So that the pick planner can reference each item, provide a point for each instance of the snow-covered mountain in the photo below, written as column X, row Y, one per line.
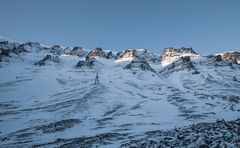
column 49, row 99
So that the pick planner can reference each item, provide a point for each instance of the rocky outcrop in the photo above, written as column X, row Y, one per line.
column 78, row 51
column 218, row 58
column 184, row 63
column 231, row 56
column 6, row 48
column 42, row 62
column 110, row 55
column 97, row 52
column 85, row 63
column 225, row 59
column 88, row 62
column 48, row 57
column 4, row 52
column 139, row 54
column 170, row 55
column 139, row 64
column 129, row 53
column 56, row 50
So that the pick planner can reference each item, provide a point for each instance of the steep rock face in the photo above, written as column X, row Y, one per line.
column 231, row 56
column 97, row 52
column 139, row 64
column 170, row 55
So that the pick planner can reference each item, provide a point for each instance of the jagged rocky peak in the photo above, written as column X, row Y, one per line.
column 78, row 51
column 6, row 48
column 139, row 64
column 137, row 54
column 184, row 50
column 128, row 53
column 224, row 59
column 56, row 49
column 97, row 52
column 181, row 64
column 8, row 45
column 171, row 54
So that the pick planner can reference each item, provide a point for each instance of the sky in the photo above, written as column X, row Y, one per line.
column 205, row 25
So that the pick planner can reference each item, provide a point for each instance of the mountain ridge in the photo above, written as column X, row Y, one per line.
column 50, row 93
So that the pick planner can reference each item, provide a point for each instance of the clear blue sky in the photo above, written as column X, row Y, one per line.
column 206, row 25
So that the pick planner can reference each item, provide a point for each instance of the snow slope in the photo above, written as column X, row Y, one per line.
column 42, row 105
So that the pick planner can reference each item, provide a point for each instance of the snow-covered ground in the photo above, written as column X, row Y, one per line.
column 43, row 104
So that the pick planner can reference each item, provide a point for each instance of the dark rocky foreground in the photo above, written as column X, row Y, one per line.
column 219, row 134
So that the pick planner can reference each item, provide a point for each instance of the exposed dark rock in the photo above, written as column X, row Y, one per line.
column 42, row 62
column 184, row 63
column 109, row 55
column 234, row 78
column 97, row 52
column 127, row 54
column 33, row 44
column 86, row 63
column 219, row 134
column 172, row 52
column 184, row 50
column 4, row 42
column 78, row 51
column 218, row 58
column 186, row 59
column 58, row 126
column 140, row 64
column 56, row 49
column 234, row 99
column 19, row 49
column 4, row 52
column 140, row 54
